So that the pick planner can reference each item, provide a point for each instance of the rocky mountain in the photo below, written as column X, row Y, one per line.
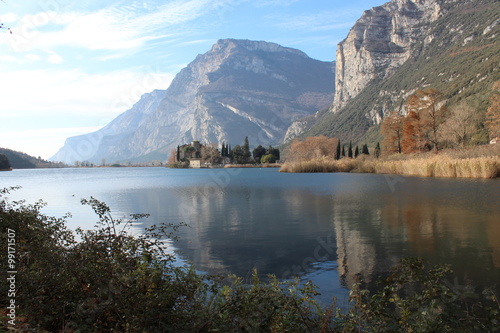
column 239, row 88
column 379, row 43
column 114, row 139
column 404, row 45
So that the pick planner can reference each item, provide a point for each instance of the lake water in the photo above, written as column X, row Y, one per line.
column 324, row 227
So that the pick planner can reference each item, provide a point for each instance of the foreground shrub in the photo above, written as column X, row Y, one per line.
column 110, row 280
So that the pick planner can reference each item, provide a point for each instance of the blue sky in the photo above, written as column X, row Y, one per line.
column 70, row 67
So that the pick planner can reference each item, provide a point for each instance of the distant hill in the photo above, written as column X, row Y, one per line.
column 19, row 160
column 4, row 163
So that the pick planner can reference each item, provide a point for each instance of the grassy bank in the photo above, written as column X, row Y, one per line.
column 481, row 162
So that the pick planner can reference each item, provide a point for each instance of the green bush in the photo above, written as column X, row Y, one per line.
column 109, row 280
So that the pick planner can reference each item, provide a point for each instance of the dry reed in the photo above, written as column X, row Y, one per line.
column 430, row 166
column 320, row 165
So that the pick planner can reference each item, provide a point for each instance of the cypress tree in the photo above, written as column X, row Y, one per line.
column 246, row 150
column 377, row 150
column 337, row 153
column 349, row 152
column 356, row 152
column 343, row 151
column 178, row 154
column 365, row 150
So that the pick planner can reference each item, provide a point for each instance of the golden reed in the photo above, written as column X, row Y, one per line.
column 430, row 166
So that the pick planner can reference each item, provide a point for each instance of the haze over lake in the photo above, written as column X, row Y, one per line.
column 325, row 227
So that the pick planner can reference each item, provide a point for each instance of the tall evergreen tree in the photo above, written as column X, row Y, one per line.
column 343, row 151
column 349, row 152
column 365, row 150
column 377, row 150
column 337, row 151
column 178, row 154
column 356, row 152
column 246, row 150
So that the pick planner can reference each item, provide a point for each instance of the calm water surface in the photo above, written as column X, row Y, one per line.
column 324, row 227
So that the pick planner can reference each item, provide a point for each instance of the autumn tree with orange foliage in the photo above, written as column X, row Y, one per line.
column 419, row 130
column 492, row 122
column 413, row 127
column 412, row 133
column 392, row 130
column 313, row 147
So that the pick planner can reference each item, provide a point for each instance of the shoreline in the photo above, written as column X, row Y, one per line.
column 264, row 165
column 447, row 164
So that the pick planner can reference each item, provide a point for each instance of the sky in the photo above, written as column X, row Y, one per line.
column 71, row 67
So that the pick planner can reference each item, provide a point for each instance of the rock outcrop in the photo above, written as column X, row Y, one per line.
column 379, row 43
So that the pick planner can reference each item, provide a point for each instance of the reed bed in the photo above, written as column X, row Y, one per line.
column 320, row 165
column 441, row 166
column 431, row 166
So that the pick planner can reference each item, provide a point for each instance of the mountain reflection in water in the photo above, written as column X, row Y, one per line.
column 331, row 228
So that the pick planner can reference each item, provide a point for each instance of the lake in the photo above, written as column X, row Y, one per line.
column 328, row 228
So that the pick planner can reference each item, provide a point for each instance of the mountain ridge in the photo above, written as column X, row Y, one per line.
column 238, row 88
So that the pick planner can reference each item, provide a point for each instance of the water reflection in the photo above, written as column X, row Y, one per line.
column 237, row 229
column 327, row 227
column 421, row 220
column 361, row 230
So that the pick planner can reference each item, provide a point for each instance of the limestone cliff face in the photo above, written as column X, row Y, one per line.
column 379, row 43
column 239, row 88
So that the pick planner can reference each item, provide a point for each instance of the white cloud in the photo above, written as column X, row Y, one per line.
column 58, row 92
column 31, row 57
column 54, row 58
column 28, row 58
column 41, row 142
column 9, row 18
column 111, row 28
column 56, row 99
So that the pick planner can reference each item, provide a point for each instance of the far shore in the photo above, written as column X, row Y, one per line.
column 476, row 162
column 263, row 165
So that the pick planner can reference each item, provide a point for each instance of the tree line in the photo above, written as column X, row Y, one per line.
column 316, row 147
column 242, row 155
column 210, row 154
column 427, row 125
column 430, row 125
